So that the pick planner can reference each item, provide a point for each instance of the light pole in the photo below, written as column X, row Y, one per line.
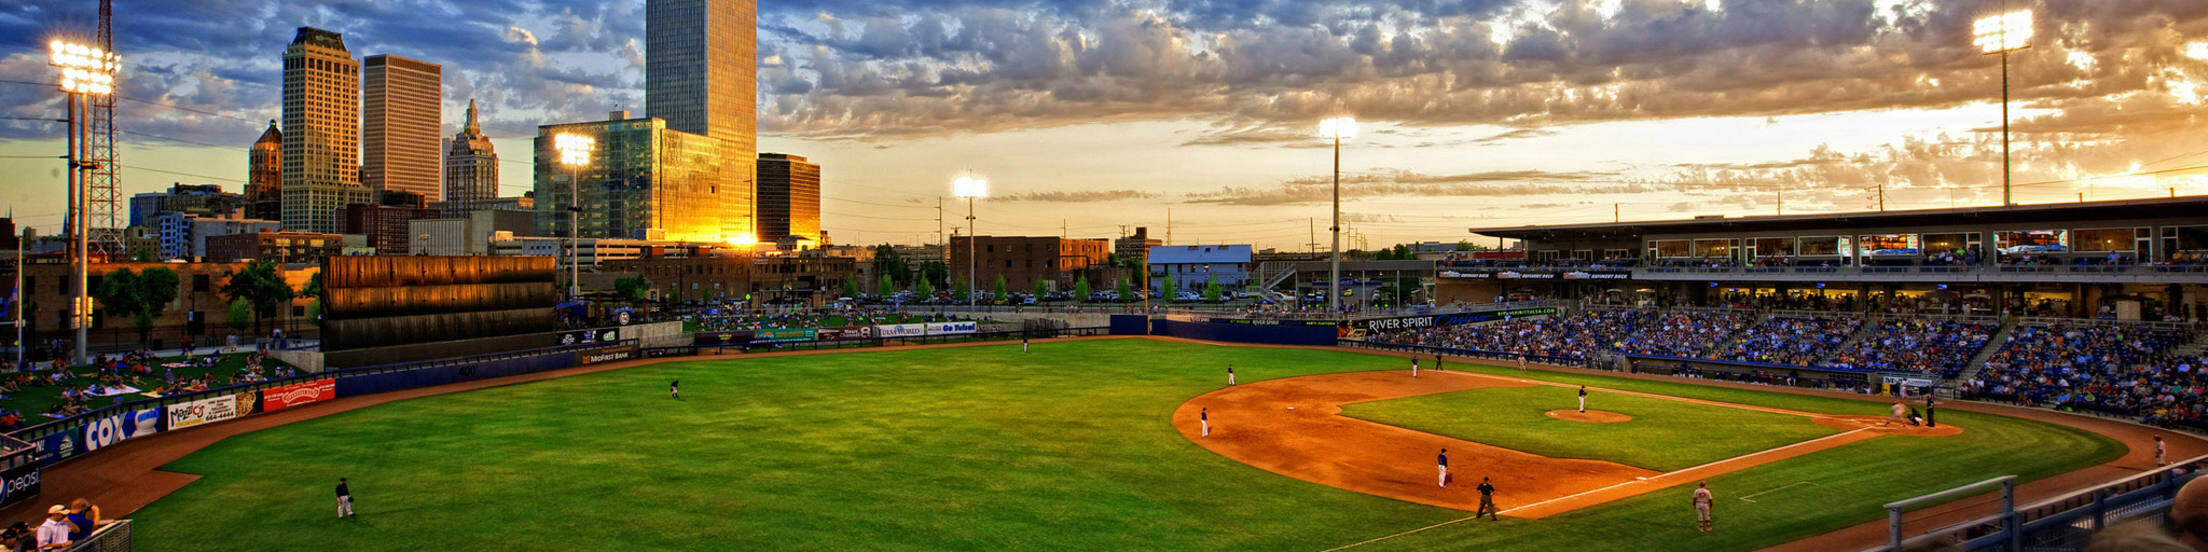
column 1336, row 129
column 2002, row 33
column 85, row 71
column 970, row 187
column 574, row 152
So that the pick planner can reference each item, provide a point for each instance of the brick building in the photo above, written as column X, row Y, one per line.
column 200, row 310
column 809, row 280
column 1022, row 260
column 285, row 247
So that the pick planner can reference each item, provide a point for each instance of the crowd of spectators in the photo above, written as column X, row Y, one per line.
column 810, row 319
column 2119, row 369
column 1582, row 335
column 1799, row 341
column 1940, row 347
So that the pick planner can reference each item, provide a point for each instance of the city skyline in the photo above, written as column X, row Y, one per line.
column 1093, row 117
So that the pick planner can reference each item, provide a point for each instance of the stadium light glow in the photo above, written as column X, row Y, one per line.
column 1338, row 128
column 84, row 69
column 970, row 187
column 2003, row 32
column 574, row 148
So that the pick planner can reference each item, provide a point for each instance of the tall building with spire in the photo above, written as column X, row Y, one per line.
column 401, row 109
column 700, row 74
column 321, row 154
column 471, row 168
column 264, row 175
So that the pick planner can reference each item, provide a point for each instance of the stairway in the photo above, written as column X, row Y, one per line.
column 1978, row 361
column 1742, row 334
column 2198, row 347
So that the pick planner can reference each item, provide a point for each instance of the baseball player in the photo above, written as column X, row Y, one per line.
column 1203, row 416
column 1437, row 361
column 1443, row 458
column 2159, row 459
column 1521, row 364
column 1702, row 502
column 344, row 499
column 1583, row 399
column 1487, row 500
column 1414, row 367
column 1023, row 343
column 1899, row 413
column 674, row 389
column 1230, row 374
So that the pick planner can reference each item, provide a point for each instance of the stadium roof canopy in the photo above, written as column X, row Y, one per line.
column 2019, row 214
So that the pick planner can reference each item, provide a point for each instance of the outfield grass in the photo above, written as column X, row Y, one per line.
column 1664, row 435
column 1068, row 448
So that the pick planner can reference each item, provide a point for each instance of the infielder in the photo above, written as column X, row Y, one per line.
column 1230, row 374
column 2159, row 459
column 1203, row 416
column 1437, row 361
column 1487, row 500
column 1444, row 459
column 1702, row 502
column 1521, row 364
column 1583, row 399
column 1414, row 367
column 674, row 389
column 344, row 499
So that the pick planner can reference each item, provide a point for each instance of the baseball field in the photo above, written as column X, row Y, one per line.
column 1079, row 445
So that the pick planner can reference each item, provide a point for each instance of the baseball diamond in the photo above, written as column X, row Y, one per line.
column 1081, row 444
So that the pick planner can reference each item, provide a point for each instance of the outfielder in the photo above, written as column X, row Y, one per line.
column 1203, row 416
column 1487, row 500
column 344, row 499
column 1444, row 459
column 1023, row 343
column 1414, row 367
column 1230, row 374
column 1521, row 364
column 1583, row 399
column 674, row 389
column 2159, row 459
column 1702, row 502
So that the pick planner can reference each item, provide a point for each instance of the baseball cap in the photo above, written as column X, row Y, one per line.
column 58, row 509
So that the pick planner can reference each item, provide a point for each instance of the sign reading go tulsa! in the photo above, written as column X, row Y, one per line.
column 278, row 398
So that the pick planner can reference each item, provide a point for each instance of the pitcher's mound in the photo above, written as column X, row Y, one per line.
column 1591, row 416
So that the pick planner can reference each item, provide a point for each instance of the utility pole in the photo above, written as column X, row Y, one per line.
column 1313, row 225
column 1881, row 196
column 1062, row 233
column 1615, row 216
column 1782, row 201
column 1169, row 226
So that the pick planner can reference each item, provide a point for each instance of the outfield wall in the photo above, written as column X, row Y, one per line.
column 1280, row 333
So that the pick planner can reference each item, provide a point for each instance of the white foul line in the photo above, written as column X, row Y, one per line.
column 1750, row 498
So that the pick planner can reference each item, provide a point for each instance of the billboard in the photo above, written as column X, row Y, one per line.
column 720, row 338
column 56, row 446
column 900, row 330
column 287, row 396
column 1428, row 321
column 19, row 484
column 603, row 356
column 206, row 411
column 940, row 328
column 579, row 337
column 772, row 336
column 115, row 428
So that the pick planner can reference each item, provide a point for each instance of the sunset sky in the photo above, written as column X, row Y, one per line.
column 1093, row 114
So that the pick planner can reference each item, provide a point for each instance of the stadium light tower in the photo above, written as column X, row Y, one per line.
column 2002, row 33
column 574, row 152
column 86, row 73
column 970, row 187
column 1336, row 129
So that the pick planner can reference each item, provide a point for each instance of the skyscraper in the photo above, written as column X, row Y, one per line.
column 699, row 75
column 645, row 181
column 471, row 168
column 264, row 175
column 321, row 156
column 402, row 108
column 789, row 197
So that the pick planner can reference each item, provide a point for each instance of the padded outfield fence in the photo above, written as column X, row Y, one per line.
column 2063, row 523
column 60, row 440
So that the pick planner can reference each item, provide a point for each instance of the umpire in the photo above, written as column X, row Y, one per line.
column 1487, row 500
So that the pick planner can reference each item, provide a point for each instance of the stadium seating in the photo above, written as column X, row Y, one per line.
column 1794, row 340
column 2118, row 369
column 1938, row 347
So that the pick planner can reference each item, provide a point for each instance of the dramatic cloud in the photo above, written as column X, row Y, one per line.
column 1393, row 182
column 1078, row 196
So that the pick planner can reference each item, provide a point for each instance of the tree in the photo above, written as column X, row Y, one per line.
column 142, row 296
column 1040, row 290
column 998, row 292
column 241, row 315
column 262, row 285
column 886, row 286
column 892, row 265
column 961, row 294
column 850, row 287
column 923, row 289
column 1166, row 291
column 1212, row 293
column 1126, row 289
column 937, row 273
column 634, row 288
column 1081, row 289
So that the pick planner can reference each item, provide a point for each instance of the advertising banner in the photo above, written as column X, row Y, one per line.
column 205, row 411
column 579, row 337
column 108, row 430
column 19, row 484
column 709, row 339
column 279, row 398
column 670, row 352
column 603, row 356
column 56, row 446
column 1428, row 321
column 941, row 328
column 900, row 330
column 771, row 336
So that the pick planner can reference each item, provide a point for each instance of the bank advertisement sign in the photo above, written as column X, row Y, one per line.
column 282, row 397
column 940, row 328
column 115, row 428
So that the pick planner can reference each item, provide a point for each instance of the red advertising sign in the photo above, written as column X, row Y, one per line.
column 279, row 398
